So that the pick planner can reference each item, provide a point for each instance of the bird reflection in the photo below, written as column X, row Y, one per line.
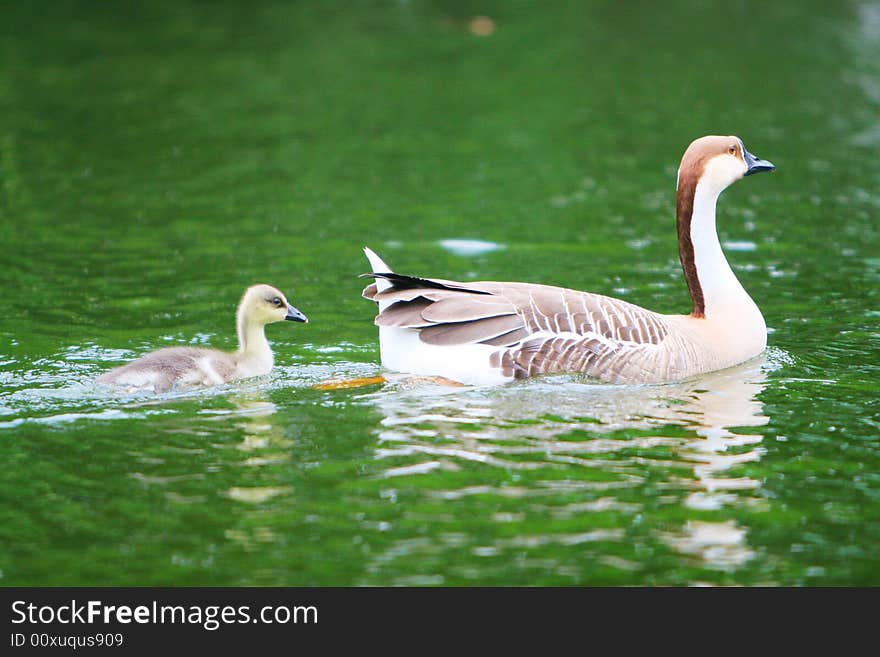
column 564, row 421
column 263, row 444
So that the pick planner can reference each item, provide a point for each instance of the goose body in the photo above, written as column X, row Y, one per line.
column 493, row 332
column 163, row 369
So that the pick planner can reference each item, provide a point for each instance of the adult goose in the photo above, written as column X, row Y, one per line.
column 193, row 366
column 492, row 332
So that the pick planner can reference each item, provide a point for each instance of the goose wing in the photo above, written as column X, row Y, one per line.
column 537, row 328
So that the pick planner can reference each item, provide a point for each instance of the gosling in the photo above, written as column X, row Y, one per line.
column 192, row 366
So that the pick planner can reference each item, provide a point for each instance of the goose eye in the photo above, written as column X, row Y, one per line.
column 276, row 302
column 731, row 149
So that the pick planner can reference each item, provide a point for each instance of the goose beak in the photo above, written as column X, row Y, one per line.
column 293, row 315
column 755, row 164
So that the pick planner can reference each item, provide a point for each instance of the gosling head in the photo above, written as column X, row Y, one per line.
column 719, row 162
column 264, row 304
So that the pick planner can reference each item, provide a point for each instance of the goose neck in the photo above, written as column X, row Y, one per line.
column 252, row 344
column 711, row 282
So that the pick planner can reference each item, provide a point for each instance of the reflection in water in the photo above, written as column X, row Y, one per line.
column 625, row 433
column 264, row 444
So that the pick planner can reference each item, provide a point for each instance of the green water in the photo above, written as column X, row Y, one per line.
column 157, row 159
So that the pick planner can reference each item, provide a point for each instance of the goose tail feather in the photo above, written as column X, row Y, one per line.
column 379, row 267
column 380, row 284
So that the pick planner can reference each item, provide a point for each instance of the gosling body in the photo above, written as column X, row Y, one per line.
column 170, row 367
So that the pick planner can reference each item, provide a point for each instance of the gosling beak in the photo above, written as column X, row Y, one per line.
column 755, row 164
column 294, row 315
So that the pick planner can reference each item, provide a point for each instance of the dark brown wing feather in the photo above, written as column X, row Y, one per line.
column 477, row 330
column 405, row 314
column 463, row 307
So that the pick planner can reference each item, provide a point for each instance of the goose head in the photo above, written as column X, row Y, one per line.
column 264, row 304
column 717, row 162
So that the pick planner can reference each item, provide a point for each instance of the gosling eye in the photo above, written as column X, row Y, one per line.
column 732, row 149
column 277, row 302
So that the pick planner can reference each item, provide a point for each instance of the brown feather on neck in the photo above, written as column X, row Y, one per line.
column 687, row 187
